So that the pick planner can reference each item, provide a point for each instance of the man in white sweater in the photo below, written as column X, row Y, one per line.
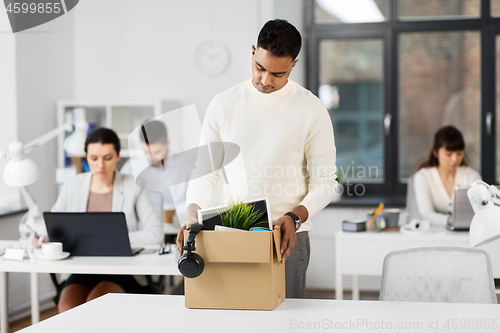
column 287, row 148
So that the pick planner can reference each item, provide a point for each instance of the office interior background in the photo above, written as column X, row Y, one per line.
column 390, row 72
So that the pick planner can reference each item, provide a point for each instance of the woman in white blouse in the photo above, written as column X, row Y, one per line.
column 104, row 189
column 436, row 178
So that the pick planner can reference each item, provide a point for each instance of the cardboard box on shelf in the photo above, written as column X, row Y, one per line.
column 243, row 270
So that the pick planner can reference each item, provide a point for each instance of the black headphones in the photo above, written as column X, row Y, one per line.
column 191, row 264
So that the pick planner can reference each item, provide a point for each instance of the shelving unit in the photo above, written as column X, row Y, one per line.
column 120, row 115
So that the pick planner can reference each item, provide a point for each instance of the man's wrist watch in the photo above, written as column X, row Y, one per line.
column 296, row 219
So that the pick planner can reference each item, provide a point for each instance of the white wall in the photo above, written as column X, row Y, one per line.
column 145, row 49
column 43, row 71
column 9, row 196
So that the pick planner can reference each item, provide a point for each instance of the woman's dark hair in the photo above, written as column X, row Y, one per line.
column 280, row 38
column 448, row 137
column 103, row 136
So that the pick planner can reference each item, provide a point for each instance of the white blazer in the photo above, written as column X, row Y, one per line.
column 143, row 223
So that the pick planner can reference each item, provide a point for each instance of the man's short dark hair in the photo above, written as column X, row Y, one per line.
column 280, row 38
column 103, row 136
column 153, row 131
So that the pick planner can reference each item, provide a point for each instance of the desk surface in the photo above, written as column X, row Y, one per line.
column 363, row 253
column 141, row 264
column 435, row 233
column 159, row 313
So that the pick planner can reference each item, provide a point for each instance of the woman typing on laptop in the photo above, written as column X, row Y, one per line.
column 436, row 178
column 104, row 189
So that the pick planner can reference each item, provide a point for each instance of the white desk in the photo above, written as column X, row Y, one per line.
column 363, row 253
column 142, row 264
column 161, row 313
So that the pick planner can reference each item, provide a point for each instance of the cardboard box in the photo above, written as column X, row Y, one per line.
column 243, row 270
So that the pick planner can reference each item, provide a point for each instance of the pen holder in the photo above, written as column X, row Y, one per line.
column 373, row 224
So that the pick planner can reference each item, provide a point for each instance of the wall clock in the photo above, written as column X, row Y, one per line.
column 212, row 58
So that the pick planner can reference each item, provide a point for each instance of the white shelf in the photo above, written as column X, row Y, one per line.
column 123, row 116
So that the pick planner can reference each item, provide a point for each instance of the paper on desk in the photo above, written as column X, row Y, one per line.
column 14, row 254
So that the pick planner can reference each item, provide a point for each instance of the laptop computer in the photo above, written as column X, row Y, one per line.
column 462, row 212
column 90, row 234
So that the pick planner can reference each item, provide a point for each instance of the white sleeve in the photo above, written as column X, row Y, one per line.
column 319, row 150
column 424, row 202
column 151, row 231
column 61, row 204
column 473, row 176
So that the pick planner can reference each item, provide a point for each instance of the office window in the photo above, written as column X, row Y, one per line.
column 438, row 9
column 439, row 84
column 434, row 64
column 352, row 11
column 495, row 8
column 351, row 82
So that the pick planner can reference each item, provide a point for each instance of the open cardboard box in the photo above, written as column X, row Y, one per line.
column 243, row 270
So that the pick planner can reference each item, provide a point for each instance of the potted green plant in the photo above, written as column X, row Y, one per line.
column 237, row 215
column 241, row 216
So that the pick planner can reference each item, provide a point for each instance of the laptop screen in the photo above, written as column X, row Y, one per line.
column 89, row 234
column 462, row 209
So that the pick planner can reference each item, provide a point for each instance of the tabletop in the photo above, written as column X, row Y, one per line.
column 159, row 313
column 141, row 264
column 435, row 233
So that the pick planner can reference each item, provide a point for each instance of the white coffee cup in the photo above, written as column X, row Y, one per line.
column 52, row 249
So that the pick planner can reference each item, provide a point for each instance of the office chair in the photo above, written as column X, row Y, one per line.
column 438, row 274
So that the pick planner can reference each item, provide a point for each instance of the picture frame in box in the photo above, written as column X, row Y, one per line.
column 210, row 217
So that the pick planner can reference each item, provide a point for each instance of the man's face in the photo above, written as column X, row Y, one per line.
column 270, row 73
column 156, row 152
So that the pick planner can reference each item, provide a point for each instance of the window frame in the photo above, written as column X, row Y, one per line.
column 389, row 31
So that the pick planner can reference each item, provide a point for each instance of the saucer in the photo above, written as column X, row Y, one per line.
column 63, row 255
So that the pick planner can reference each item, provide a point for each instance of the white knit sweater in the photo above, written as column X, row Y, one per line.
column 287, row 149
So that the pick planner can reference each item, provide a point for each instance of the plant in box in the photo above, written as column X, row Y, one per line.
column 243, row 216
column 213, row 217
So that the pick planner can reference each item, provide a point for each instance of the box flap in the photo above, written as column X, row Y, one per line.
column 234, row 246
column 277, row 243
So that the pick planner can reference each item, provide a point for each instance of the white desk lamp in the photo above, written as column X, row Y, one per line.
column 485, row 225
column 74, row 145
column 21, row 171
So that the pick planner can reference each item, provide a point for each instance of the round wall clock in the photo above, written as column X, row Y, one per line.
column 211, row 58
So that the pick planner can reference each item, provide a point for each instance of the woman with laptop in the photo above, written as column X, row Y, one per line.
column 104, row 189
column 437, row 177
